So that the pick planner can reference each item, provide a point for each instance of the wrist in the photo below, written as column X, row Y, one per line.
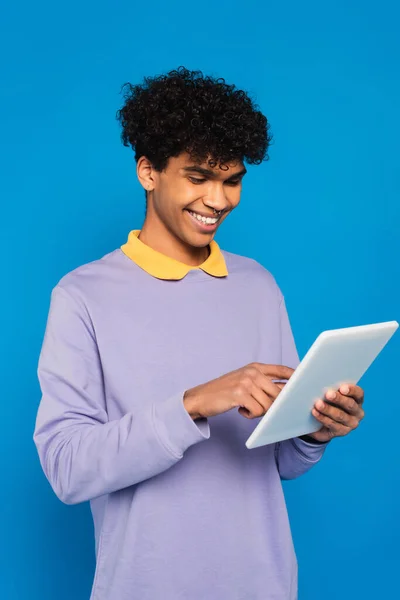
column 310, row 440
column 190, row 404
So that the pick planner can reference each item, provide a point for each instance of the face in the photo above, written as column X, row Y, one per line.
column 183, row 196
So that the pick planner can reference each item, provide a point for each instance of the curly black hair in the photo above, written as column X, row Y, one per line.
column 187, row 111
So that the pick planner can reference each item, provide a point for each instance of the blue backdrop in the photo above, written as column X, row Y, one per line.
column 322, row 215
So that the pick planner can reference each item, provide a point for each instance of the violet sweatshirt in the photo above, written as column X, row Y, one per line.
column 182, row 509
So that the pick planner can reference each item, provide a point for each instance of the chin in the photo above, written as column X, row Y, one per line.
column 200, row 240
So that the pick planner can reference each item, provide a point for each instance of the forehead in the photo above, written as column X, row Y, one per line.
column 184, row 161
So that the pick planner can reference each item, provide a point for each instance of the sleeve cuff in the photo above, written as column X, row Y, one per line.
column 175, row 428
column 311, row 452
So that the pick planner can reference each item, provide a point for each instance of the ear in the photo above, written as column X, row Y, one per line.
column 146, row 173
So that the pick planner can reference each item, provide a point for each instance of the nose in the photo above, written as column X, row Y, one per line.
column 217, row 199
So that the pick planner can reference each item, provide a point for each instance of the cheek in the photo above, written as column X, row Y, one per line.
column 186, row 194
column 234, row 198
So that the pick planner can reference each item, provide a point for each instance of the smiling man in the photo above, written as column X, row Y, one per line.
column 159, row 357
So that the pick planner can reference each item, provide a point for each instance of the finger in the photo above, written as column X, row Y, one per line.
column 264, row 392
column 353, row 391
column 276, row 371
column 345, row 402
column 267, row 386
column 252, row 409
column 337, row 414
column 336, row 429
column 261, row 395
column 264, row 398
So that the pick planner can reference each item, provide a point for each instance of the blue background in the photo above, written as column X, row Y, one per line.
column 322, row 215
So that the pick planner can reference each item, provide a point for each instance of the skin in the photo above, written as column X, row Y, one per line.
column 168, row 228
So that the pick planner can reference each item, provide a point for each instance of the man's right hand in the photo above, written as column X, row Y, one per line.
column 250, row 389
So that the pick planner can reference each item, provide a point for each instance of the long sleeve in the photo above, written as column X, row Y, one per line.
column 293, row 457
column 83, row 454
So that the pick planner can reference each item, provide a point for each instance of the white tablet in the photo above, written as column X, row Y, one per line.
column 337, row 356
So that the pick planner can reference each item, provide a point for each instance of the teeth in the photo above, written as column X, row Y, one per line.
column 206, row 220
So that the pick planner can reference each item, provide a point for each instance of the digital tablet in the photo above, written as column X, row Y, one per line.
column 336, row 357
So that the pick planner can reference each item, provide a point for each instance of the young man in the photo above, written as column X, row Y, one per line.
column 158, row 357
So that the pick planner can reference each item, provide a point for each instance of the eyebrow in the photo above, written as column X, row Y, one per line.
column 211, row 174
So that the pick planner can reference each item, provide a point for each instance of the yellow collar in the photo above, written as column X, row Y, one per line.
column 163, row 267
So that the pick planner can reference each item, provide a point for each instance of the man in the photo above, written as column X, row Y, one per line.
column 158, row 357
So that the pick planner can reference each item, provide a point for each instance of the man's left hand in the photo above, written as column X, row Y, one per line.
column 339, row 413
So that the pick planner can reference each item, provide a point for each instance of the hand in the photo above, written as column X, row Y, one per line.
column 250, row 389
column 342, row 414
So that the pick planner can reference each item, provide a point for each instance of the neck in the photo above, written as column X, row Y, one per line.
column 157, row 236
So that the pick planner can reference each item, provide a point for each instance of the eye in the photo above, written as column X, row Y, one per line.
column 197, row 181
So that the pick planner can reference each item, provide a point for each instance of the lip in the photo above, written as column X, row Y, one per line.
column 203, row 226
column 203, row 214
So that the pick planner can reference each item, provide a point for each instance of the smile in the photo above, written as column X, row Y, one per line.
column 206, row 220
column 206, row 224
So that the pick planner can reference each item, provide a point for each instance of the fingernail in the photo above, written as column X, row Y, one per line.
column 331, row 395
column 344, row 389
column 320, row 404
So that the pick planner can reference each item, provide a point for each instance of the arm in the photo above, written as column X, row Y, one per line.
column 83, row 454
column 296, row 456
